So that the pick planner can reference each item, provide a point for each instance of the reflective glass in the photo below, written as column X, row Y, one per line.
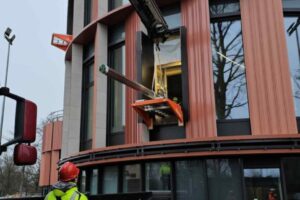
column 87, row 12
column 118, row 96
column 89, row 117
column 224, row 179
column 293, row 43
column 291, row 4
column 94, row 182
column 110, row 180
column 118, row 3
column 219, row 8
column 190, row 180
column 167, row 72
column 132, row 178
column 263, row 183
column 172, row 16
column 116, row 33
column 83, row 181
column 291, row 167
column 229, row 69
column 158, row 176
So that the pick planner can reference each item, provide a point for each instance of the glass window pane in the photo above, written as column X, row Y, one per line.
column 110, row 180
column 118, row 3
column 87, row 12
column 88, row 51
column 158, row 176
column 291, row 167
column 91, row 73
column 293, row 44
column 118, row 95
column 83, row 181
column 190, row 180
column 116, row 33
column 89, row 117
column 291, row 4
column 229, row 69
column 94, row 182
column 221, row 7
column 132, row 178
column 224, row 174
column 167, row 73
column 263, row 183
column 172, row 16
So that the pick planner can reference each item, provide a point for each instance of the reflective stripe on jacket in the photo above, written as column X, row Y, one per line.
column 63, row 191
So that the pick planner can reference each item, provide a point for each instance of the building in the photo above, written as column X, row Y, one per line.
column 233, row 67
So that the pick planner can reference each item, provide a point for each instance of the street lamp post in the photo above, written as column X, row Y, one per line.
column 10, row 39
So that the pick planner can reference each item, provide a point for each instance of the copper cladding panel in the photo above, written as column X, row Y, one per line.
column 45, row 169
column 53, row 165
column 268, row 80
column 94, row 9
column 195, row 17
column 132, row 25
column 57, row 135
column 47, row 137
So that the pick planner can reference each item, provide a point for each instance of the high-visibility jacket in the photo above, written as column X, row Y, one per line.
column 65, row 191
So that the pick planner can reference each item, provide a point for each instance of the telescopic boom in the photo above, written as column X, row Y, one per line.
column 130, row 83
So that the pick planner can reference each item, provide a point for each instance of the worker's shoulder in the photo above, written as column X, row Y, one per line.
column 50, row 196
column 83, row 196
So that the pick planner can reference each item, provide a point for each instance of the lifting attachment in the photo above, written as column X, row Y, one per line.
column 155, row 110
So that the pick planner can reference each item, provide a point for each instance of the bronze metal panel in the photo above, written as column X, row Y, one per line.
column 132, row 25
column 94, row 9
column 267, row 71
column 191, row 155
column 45, row 169
column 53, row 167
column 57, row 135
column 195, row 17
column 47, row 137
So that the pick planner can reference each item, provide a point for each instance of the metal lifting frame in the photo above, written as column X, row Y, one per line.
column 159, row 104
column 152, row 18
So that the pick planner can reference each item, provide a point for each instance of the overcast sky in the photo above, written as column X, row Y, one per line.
column 36, row 69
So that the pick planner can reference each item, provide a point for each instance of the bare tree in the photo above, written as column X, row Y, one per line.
column 228, row 65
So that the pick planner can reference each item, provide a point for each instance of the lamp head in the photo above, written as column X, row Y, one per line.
column 7, row 34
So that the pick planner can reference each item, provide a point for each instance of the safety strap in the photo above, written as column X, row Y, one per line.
column 74, row 195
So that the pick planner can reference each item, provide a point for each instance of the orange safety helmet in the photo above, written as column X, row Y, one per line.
column 68, row 171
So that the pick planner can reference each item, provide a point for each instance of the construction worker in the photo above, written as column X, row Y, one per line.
column 165, row 173
column 66, row 188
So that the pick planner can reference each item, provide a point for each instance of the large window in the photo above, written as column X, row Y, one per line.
column 248, row 178
column 292, row 30
column 263, row 179
column 87, row 12
column 132, row 181
column 225, row 175
column 291, row 168
column 191, row 180
column 158, row 178
column 110, row 180
column 87, row 97
column 116, row 90
column 229, row 71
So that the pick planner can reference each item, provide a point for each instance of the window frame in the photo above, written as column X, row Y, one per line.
column 232, row 127
column 85, row 143
column 115, row 138
column 292, row 12
column 88, row 4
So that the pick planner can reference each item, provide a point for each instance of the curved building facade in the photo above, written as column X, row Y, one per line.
column 232, row 66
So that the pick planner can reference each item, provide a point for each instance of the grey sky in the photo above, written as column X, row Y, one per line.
column 36, row 69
